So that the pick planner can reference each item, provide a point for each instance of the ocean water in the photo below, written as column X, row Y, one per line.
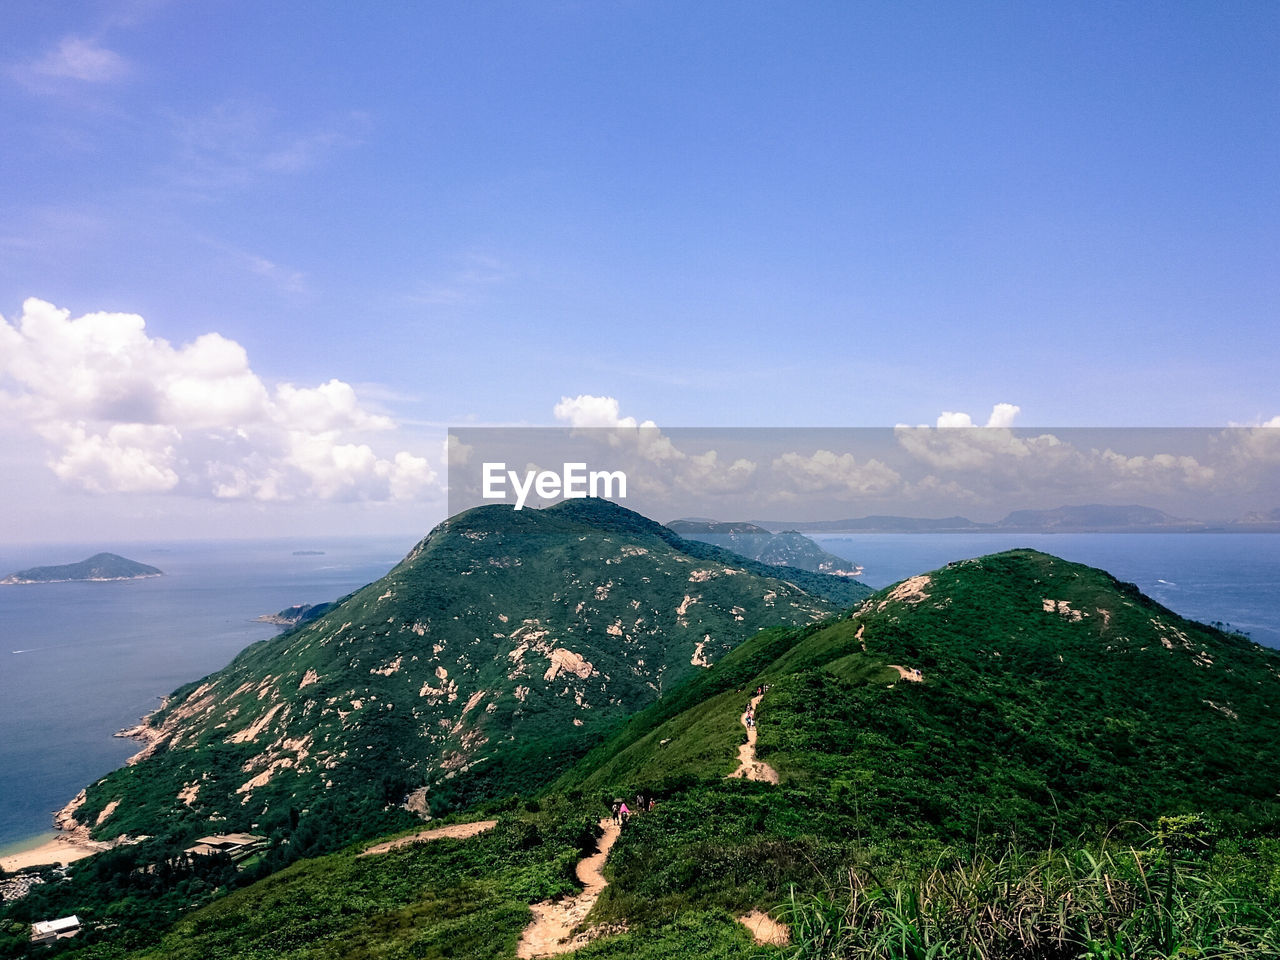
column 79, row 661
column 1233, row 578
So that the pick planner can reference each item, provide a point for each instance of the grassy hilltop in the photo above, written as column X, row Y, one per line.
column 1075, row 771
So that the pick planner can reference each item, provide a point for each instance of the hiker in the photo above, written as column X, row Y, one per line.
column 617, row 812
column 623, row 816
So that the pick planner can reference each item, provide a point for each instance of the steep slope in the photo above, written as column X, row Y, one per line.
column 492, row 656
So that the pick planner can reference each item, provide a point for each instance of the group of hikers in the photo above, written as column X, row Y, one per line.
column 622, row 813
column 749, row 717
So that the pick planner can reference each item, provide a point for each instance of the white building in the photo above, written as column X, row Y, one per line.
column 46, row 931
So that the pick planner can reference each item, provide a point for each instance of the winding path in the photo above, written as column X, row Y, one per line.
column 748, row 765
column 460, row 830
column 551, row 931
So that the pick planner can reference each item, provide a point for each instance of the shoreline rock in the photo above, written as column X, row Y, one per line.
column 145, row 734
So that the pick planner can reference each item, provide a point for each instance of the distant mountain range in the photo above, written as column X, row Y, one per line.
column 1087, row 518
column 786, row 549
column 101, row 566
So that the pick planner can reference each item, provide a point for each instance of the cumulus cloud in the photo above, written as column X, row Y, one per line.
column 705, row 472
column 133, row 458
column 1249, row 447
column 586, row 411
column 827, row 472
column 589, row 412
column 123, row 411
column 1002, row 415
column 998, row 457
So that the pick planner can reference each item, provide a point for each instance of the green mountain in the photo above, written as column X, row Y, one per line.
column 1076, row 771
column 101, row 566
column 1052, row 697
column 504, row 645
column 785, row 549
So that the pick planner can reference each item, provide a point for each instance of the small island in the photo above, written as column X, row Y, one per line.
column 101, row 566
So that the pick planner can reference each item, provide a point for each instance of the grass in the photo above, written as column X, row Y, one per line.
column 1113, row 903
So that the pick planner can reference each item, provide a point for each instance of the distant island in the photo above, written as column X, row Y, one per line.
column 786, row 548
column 308, row 553
column 101, row 566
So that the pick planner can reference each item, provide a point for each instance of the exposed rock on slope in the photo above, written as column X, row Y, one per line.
column 499, row 648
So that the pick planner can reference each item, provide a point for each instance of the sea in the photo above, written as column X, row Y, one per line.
column 80, row 661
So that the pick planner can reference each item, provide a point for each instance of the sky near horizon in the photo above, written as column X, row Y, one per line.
column 255, row 256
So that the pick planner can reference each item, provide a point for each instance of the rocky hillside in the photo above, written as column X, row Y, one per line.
column 491, row 657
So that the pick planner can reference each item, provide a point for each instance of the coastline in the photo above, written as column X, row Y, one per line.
column 12, row 582
column 46, row 848
column 70, row 841
column 142, row 732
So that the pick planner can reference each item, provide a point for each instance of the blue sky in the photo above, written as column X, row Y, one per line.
column 725, row 214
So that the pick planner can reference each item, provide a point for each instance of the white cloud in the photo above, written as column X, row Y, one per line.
column 826, row 472
column 586, row 411
column 1159, row 469
column 665, row 464
column 128, row 458
column 1002, row 415
column 1248, row 447
column 998, row 458
column 126, row 412
column 77, row 58
column 589, row 412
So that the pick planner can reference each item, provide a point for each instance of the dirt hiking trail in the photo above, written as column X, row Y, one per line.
column 748, row 765
column 458, row 830
column 554, row 921
column 908, row 673
column 765, row 930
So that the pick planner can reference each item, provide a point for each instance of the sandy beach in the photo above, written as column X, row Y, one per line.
column 54, row 849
